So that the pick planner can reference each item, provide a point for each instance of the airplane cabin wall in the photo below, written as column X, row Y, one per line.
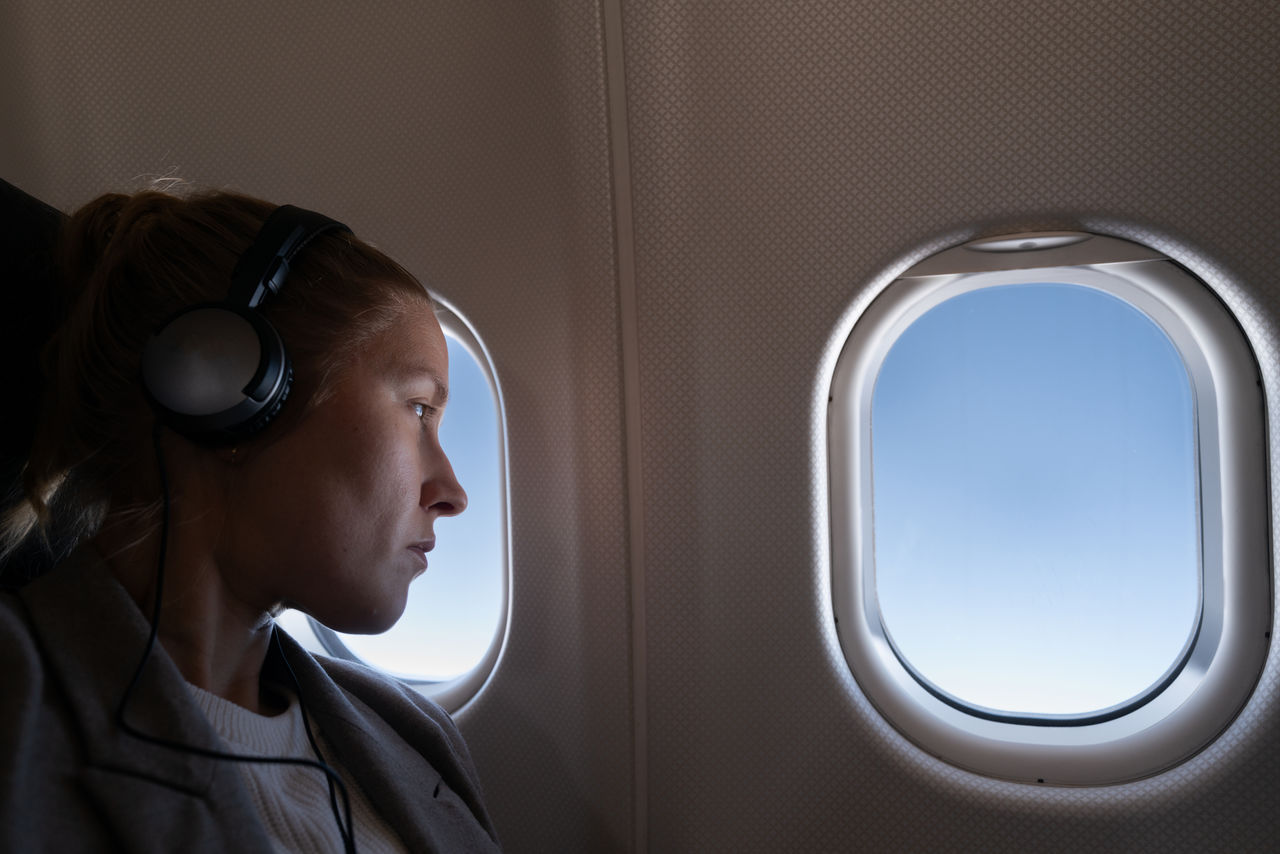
column 785, row 159
column 661, row 217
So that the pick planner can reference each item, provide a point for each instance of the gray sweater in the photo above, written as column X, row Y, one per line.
column 72, row 781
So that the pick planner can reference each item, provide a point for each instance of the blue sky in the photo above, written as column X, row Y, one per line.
column 1034, row 491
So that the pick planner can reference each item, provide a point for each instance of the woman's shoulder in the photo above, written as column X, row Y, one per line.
column 370, row 702
column 44, row 624
column 19, row 653
column 415, row 716
column 365, row 681
column 387, row 696
column 22, row 701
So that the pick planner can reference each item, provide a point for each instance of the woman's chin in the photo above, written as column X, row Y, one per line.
column 372, row 619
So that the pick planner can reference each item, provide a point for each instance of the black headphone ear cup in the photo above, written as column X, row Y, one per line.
column 216, row 373
column 269, row 414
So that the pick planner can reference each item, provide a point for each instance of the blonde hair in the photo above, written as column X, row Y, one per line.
column 128, row 263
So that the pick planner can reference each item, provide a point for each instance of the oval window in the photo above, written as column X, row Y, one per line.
column 1049, row 524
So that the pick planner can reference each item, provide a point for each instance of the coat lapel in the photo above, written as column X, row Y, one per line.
column 387, row 745
column 157, row 798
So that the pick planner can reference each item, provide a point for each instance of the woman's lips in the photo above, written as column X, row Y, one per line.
column 421, row 548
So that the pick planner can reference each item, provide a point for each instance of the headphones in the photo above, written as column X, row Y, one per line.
column 218, row 372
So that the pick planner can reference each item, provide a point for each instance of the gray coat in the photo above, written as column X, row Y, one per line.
column 72, row 781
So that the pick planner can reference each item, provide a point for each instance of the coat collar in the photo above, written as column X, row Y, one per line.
column 393, row 750
column 154, row 798
column 93, row 636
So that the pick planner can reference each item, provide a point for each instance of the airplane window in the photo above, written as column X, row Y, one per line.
column 1050, row 550
column 448, row 638
column 1033, row 481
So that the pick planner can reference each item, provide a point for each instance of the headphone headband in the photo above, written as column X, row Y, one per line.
column 265, row 264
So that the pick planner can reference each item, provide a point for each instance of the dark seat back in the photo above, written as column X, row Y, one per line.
column 28, row 315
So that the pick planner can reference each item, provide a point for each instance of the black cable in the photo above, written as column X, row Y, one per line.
column 345, row 830
column 315, row 747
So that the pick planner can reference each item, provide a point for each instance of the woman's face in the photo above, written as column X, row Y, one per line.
column 336, row 517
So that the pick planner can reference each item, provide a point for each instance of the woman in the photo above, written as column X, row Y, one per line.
column 278, row 448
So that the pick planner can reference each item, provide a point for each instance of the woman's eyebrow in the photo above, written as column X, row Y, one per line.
column 407, row 372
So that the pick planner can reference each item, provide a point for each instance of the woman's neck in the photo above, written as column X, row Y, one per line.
column 217, row 638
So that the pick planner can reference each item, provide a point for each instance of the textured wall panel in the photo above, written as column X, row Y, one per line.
column 786, row 158
column 469, row 140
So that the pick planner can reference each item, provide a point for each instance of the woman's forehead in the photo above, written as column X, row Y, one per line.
column 413, row 349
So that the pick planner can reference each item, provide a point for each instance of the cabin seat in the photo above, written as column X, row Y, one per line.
column 28, row 309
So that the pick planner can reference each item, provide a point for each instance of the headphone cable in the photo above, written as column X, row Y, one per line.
column 336, row 786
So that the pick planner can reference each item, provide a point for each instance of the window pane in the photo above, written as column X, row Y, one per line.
column 1035, row 500
column 454, row 608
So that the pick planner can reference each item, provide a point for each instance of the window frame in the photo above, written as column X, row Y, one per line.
column 451, row 694
column 1180, row 715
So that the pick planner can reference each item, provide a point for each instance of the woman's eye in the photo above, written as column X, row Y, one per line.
column 423, row 411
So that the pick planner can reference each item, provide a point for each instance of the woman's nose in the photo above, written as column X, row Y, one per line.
column 442, row 492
